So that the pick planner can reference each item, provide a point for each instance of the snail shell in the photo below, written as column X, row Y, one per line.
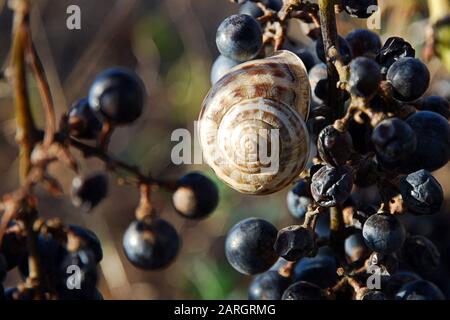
column 252, row 124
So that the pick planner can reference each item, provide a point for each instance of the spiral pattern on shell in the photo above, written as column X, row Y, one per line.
column 252, row 125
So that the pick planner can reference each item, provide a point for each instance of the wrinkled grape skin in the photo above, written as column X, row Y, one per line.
column 331, row 186
column 249, row 246
column 421, row 193
column 359, row 8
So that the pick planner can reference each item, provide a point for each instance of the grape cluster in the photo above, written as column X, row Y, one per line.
column 68, row 255
column 371, row 176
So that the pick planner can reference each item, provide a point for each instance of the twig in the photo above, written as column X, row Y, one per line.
column 26, row 132
column 329, row 35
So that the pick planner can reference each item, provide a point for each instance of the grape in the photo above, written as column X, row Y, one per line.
column 395, row 282
column 319, row 84
column 334, row 146
column 355, row 247
column 394, row 49
column 298, row 200
column 360, row 8
column 421, row 254
column 89, row 191
column 239, row 37
column 410, row 79
column 363, row 42
column 87, row 239
column 383, row 233
column 365, row 77
column 303, row 291
column 196, row 196
column 319, row 270
column 421, row 193
column 152, row 245
column 433, row 142
column 307, row 58
column 249, row 246
column 294, row 242
column 344, row 50
column 117, row 95
column 251, row 9
column 420, row 290
column 82, row 123
column 221, row 67
column 269, row 285
column 394, row 141
column 331, row 186
column 436, row 104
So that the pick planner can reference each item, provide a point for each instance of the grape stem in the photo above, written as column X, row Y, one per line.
column 26, row 131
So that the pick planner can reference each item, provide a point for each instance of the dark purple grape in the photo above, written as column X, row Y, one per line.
column 392, row 284
column 384, row 233
column 251, row 9
column 433, row 142
column 303, row 291
column 319, row 84
column 421, row 254
column 307, row 57
column 331, row 186
column 360, row 8
column 88, row 240
column 436, row 104
column 298, row 199
column 334, row 146
column 319, row 270
column 269, row 285
column 249, row 246
column 364, row 42
column 89, row 191
column 196, row 196
column 239, row 37
column 355, row 247
column 344, row 50
column 151, row 245
column 421, row 192
column 294, row 242
column 394, row 48
column 419, row 290
column 117, row 95
column 221, row 67
column 365, row 77
column 409, row 78
column 394, row 141
column 81, row 121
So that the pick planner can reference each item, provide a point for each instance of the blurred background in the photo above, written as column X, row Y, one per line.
column 171, row 44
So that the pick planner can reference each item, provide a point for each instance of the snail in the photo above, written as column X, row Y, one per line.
column 252, row 124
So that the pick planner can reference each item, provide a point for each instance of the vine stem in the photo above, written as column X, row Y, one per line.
column 26, row 135
column 327, row 18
